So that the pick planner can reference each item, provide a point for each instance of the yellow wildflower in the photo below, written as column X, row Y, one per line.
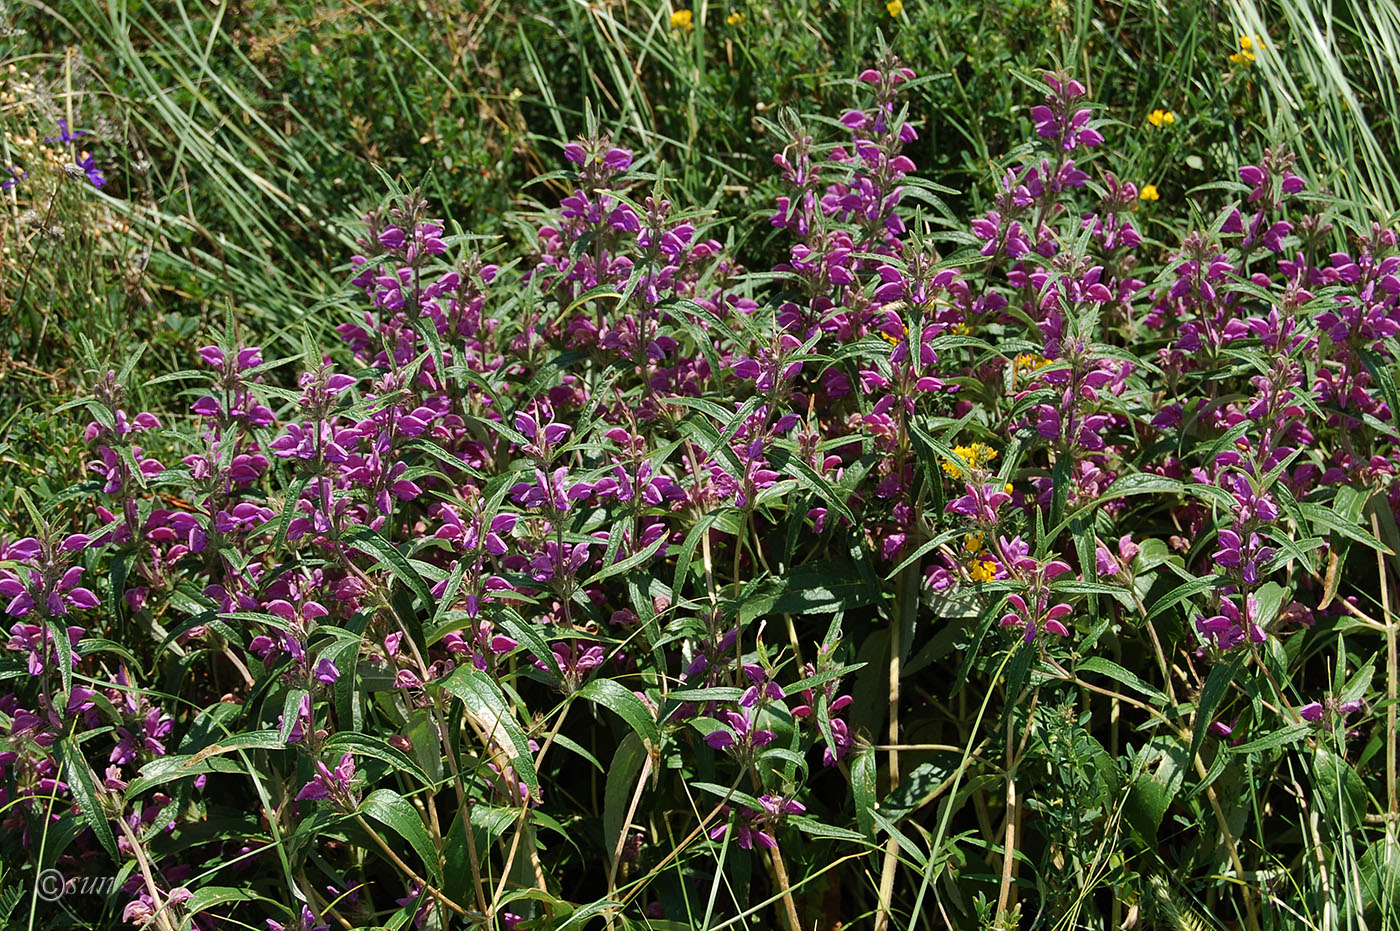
column 1028, row 360
column 682, row 19
column 973, row 543
column 890, row 339
column 1008, row 488
column 961, row 328
column 1149, row 192
column 735, row 19
column 895, row 7
column 1161, row 117
column 1246, row 53
column 977, row 455
column 983, row 570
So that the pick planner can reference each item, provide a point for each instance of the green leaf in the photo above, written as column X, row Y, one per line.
column 1383, row 377
column 821, row 677
column 289, row 511
column 1379, row 869
column 621, row 785
column 1147, row 802
column 686, row 553
column 1329, row 519
column 168, row 769
column 394, row 812
column 815, row 828
column 1280, row 737
column 707, row 693
column 617, row 698
column 483, row 698
column 62, row 646
column 1106, row 667
column 369, row 745
column 208, row 896
column 1075, row 587
column 1217, row 683
column 818, row 484
column 372, row 542
column 915, row 789
column 631, row 562
column 526, row 633
column 1184, row 591
column 729, row 794
column 1340, row 790
column 814, row 588
column 115, row 602
column 291, row 711
column 1140, row 483
column 84, row 789
column 863, row 790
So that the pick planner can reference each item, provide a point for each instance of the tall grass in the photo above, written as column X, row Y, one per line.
column 1331, row 72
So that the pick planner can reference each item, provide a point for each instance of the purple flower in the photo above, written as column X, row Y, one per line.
column 741, row 736
column 1230, row 628
column 574, row 661
column 1318, row 712
column 549, row 492
column 64, row 136
column 542, row 438
column 980, row 503
column 756, row 828
column 307, row 921
column 762, row 687
column 57, row 597
column 1033, row 620
column 89, row 166
column 326, row 672
column 336, row 785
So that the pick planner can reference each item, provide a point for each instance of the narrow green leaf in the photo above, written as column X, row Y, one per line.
column 621, row 785
column 378, row 748
column 291, row 711
column 394, row 812
column 618, row 699
column 483, row 698
column 1116, row 672
column 84, row 789
column 1217, row 683
column 1284, row 735
column 372, row 542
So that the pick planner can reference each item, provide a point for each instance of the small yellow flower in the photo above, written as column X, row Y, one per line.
column 977, row 455
column 1026, row 360
column 735, row 19
column 983, row 570
column 683, row 20
column 1008, row 488
column 973, row 543
column 890, row 339
column 1161, row 118
column 961, row 328
column 1149, row 192
column 895, row 7
column 1246, row 53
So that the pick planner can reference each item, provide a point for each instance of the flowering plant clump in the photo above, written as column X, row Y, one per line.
column 615, row 580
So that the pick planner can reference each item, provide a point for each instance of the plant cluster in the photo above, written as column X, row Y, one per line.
column 1020, row 570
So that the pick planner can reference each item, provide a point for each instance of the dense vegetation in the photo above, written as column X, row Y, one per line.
column 570, row 466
